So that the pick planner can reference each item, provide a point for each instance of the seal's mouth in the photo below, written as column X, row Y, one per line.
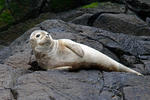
column 45, row 40
column 44, row 37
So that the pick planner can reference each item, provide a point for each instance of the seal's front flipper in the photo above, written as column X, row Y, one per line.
column 75, row 48
column 66, row 68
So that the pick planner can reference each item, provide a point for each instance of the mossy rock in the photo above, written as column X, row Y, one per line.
column 22, row 7
column 6, row 18
column 20, row 10
column 92, row 5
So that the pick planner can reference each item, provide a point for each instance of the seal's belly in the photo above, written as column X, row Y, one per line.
column 60, row 59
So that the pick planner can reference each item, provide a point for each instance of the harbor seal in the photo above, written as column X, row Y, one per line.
column 52, row 54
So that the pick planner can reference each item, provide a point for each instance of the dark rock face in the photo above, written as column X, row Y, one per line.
column 120, row 23
column 82, row 20
column 134, row 51
column 22, row 10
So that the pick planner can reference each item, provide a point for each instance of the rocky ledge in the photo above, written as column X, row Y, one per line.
column 18, row 83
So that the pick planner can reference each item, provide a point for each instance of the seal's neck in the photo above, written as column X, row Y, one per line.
column 53, row 47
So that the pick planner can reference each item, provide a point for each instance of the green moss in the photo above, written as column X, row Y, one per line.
column 2, row 3
column 6, row 18
column 92, row 5
column 106, row 4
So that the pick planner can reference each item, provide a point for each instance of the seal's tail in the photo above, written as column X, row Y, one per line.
column 126, row 69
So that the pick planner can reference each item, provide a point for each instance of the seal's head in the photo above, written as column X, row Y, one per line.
column 40, row 38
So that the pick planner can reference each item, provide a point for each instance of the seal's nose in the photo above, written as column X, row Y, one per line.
column 47, row 35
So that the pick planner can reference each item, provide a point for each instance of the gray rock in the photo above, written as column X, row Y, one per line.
column 140, row 68
column 145, row 1
column 82, row 20
column 61, row 85
column 122, row 23
column 69, row 15
column 108, row 95
column 116, row 81
column 20, row 45
column 5, row 94
column 137, row 93
column 127, row 86
column 147, row 66
column 104, row 6
column 4, row 53
column 129, row 60
column 19, row 60
column 8, row 77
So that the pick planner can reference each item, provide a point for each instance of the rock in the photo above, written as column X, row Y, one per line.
column 124, row 44
column 8, row 77
column 57, row 6
column 19, row 60
column 140, row 7
column 6, row 94
column 145, row 1
column 105, row 6
column 82, row 20
column 21, row 44
column 130, row 84
column 129, row 60
column 69, row 15
column 119, row 80
column 122, row 23
column 84, row 85
column 137, row 93
column 107, row 95
column 4, row 53
column 146, row 66
column 139, row 68
column 27, row 9
column 31, row 9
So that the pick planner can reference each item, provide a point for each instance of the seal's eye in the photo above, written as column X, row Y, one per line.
column 38, row 35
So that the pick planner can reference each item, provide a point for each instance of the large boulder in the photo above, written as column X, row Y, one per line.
column 51, row 85
column 118, row 23
column 82, row 20
column 8, row 77
column 127, row 86
column 122, row 23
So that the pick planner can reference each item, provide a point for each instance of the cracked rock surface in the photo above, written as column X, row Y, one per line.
column 18, row 83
